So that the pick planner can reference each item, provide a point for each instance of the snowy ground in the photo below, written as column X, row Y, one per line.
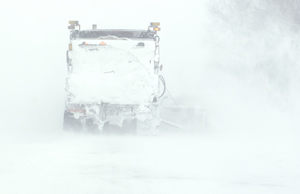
column 170, row 163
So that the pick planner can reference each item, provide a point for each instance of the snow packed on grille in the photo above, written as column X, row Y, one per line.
column 120, row 72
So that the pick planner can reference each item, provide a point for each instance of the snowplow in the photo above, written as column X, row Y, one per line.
column 114, row 81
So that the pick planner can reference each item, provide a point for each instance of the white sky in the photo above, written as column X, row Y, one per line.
column 42, row 26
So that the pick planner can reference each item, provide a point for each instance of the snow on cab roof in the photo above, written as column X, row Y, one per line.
column 120, row 33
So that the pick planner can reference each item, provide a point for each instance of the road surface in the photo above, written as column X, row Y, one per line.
column 170, row 163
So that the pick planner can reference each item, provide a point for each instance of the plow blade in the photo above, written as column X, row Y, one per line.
column 190, row 119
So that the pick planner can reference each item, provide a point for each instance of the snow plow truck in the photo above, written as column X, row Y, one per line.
column 114, row 79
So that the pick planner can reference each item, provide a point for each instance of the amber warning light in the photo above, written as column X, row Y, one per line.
column 155, row 24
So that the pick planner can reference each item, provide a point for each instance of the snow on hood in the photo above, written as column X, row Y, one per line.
column 118, row 73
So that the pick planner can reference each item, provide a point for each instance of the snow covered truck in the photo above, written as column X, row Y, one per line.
column 113, row 79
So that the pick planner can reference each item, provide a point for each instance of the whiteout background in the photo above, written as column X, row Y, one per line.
column 245, row 72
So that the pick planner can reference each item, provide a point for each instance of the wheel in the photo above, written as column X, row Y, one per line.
column 70, row 123
column 147, row 127
column 128, row 127
column 91, row 127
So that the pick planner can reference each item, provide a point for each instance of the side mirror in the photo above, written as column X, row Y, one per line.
column 161, row 67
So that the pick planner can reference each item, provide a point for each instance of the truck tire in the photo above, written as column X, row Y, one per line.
column 129, row 127
column 70, row 123
column 91, row 127
column 147, row 127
